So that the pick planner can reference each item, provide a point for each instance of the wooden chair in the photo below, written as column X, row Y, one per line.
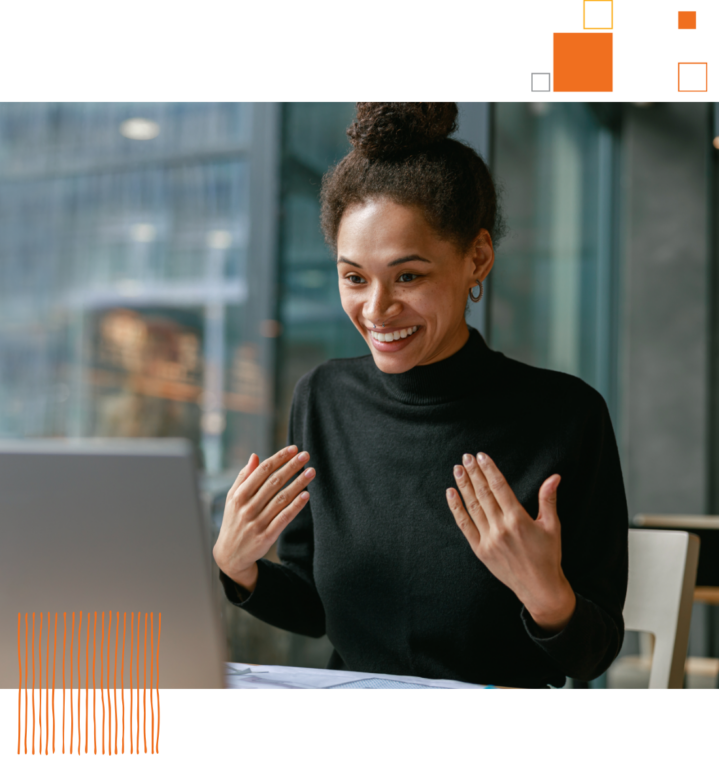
column 701, row 672
column 660, row 593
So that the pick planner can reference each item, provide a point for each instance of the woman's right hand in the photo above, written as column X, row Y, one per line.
column 257, row 510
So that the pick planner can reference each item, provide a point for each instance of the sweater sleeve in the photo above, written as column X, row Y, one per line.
column 593, row 513
column 285, row 594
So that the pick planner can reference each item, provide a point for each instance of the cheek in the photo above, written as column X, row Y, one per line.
column 439, row 301
column 350, row 303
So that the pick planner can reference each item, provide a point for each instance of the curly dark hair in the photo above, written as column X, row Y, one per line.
column 402, row 151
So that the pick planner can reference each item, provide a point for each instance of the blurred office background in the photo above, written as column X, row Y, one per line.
column 163, row 273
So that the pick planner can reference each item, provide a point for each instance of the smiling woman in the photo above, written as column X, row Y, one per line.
column 396, row 273
column 504, row 579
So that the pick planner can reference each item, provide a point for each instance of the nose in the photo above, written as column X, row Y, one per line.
column 381, row 307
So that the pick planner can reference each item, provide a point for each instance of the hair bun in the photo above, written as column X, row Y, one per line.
column 384, row 129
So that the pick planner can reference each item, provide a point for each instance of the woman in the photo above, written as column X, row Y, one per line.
column 510, row 578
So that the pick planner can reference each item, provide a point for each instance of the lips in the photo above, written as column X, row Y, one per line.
column 395, row 335
column 396, row 345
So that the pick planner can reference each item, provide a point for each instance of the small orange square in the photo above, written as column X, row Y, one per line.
column 582, row 61
column 687, row 19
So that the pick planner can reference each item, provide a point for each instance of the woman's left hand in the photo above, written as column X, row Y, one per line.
column 524, row 554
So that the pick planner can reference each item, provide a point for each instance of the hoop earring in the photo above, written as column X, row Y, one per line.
column 474, row 298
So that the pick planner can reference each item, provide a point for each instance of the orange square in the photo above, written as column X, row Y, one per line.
column 583, row 61
column 687, row 19
column 693, row 76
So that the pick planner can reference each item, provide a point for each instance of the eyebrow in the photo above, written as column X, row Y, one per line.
column 400, row 260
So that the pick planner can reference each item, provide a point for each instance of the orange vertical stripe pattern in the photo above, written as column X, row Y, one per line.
column 47, row 687
column 39, row 661
column 33, row 683
column 64, row 637
column 87, row 681
column 142, row 707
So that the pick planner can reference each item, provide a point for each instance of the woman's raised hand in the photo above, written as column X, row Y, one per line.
column 258, row 509
column 524, row 554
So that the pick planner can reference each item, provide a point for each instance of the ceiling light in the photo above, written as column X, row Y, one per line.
column 219, row 238
column 139, row 128
column 539, row 108
column 143, row 233
column 129, row 287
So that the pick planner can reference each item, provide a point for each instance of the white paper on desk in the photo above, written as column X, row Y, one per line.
column 301, row 677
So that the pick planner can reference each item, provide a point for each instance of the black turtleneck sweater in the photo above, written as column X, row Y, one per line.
column 376, row 560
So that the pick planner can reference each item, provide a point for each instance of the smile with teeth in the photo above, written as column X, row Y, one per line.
column 394, row 335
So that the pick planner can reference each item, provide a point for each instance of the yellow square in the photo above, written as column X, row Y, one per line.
column 598, row 14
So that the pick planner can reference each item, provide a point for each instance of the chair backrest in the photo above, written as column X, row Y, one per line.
column 660, row 594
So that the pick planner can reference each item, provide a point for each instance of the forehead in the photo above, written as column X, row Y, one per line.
column 382, row 228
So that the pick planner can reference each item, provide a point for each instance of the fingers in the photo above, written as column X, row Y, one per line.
column 471, row 502
column 273, row 486
column 463, row 520
column 255, row 480
column 245, row 472
column 286, row 515
column 285, row 497
column 548, row 502
column 482, row 490
column 492, row 486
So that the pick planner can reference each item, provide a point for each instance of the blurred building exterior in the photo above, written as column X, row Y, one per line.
column 162, row 272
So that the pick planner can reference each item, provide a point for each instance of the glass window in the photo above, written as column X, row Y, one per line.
column 315, row 327
column 553, row 281
column 124, row 241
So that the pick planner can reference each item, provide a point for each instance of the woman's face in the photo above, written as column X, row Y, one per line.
column 394, row 269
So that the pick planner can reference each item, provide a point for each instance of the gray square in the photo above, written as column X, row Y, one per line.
column 541, row 81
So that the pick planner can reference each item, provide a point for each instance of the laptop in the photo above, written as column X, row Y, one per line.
column 116, row 526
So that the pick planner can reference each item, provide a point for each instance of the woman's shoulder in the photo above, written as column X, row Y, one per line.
column 549, row 386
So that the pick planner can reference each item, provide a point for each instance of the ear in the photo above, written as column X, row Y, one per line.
column 482, row 253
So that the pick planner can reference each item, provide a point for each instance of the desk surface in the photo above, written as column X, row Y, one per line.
column 267, row 676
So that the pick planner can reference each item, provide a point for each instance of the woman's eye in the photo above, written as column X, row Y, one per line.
column 404, row 274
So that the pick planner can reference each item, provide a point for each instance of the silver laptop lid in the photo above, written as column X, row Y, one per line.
column 108, row 525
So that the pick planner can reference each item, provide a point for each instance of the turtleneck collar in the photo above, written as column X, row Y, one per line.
column 450, row 379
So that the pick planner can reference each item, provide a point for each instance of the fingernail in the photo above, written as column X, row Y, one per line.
column 303, row 456
column 291, row 449
column 481, row 457
column 309, row 472
column 467, row 459
column 458, row 471
column 450, row 493
column 304, row 495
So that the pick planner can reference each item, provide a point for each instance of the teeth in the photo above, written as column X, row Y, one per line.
column 395, row 335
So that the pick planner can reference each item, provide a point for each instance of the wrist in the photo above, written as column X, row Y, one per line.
column 553, row 614
column 246, row 578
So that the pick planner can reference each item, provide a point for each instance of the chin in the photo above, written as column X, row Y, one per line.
column 388, row 365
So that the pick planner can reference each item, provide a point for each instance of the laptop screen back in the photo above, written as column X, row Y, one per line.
column 97, row 526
